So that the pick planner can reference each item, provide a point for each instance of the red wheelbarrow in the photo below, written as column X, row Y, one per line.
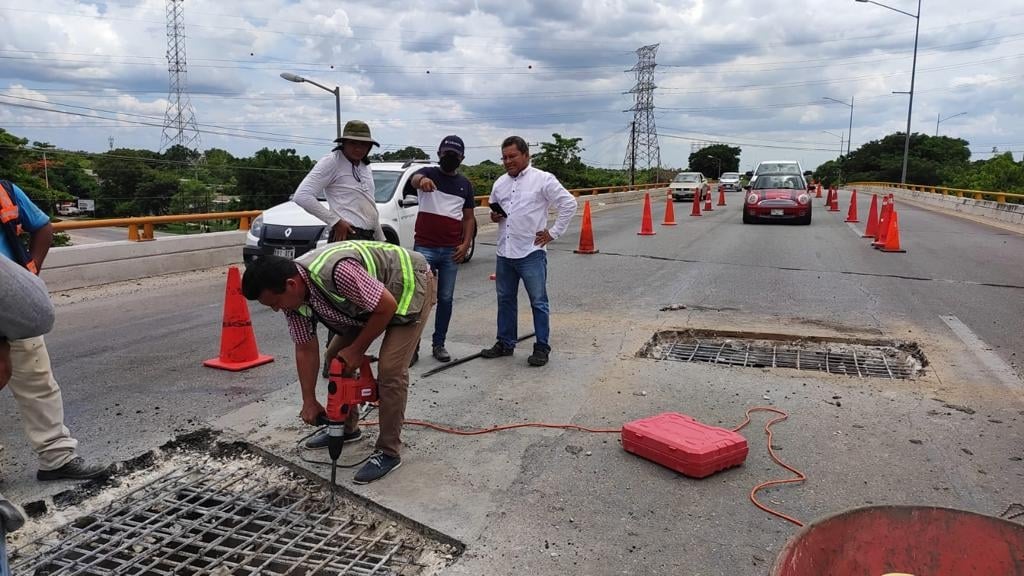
column 916, row 540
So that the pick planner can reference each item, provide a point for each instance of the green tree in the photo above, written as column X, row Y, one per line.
column 269, row 177
column 713, row 160
column 482, row 176
column 407, row 153
column 561, row 158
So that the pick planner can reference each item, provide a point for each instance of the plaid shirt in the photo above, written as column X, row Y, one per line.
column 354, row 284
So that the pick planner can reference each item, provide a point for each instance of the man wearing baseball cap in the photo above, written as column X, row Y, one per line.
column 445, row 228
column 345, row 179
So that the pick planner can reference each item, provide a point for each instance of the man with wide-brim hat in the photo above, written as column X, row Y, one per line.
column 345, row 179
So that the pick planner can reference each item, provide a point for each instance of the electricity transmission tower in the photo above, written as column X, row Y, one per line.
column 643, row 140
column 180, row 119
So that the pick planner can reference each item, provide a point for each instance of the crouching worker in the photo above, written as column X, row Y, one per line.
column 360, row 290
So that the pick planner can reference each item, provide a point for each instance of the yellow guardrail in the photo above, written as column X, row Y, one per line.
column 146, row 222
column 245, row 218
column 999, row 197
column 482, row 200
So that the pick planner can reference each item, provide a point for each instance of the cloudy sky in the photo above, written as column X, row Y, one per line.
column 750, row 73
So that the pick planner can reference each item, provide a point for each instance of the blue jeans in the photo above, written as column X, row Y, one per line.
column 446, row 270
column 533, row 270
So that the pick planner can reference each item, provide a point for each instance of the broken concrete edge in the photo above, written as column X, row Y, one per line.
column 221, row 444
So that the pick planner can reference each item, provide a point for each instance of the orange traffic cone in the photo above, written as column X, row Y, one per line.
column 872, row 228
column 892, row 239
column 586, row 233
column 707, row 203
column 670, row 212
column 721, row 195
column 237, row 341
column 851, row 215
column 647, row 225
column 834, row 196
column 819, row 190
column 696, row 205
column 883, row 224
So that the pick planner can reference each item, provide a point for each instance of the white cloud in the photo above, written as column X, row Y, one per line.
column 746, row 71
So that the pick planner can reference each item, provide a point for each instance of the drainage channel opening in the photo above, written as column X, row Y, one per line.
column 847, row 357
column 217, row 517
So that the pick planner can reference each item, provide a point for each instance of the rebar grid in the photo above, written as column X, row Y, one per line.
column 215, row 520
column 863, row 361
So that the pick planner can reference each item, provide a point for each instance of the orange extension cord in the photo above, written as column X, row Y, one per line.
column 753, row 493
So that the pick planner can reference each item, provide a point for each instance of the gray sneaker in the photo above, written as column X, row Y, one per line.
column 76, row 469
column 379, row 466
column 442, row 355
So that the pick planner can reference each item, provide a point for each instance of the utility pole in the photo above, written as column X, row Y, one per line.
column 644, row 135
column 632, row 153
column 180, row 119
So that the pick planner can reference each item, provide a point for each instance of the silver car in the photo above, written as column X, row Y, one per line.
column 730, row 181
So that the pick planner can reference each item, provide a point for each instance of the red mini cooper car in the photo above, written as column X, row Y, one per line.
column 778, row 197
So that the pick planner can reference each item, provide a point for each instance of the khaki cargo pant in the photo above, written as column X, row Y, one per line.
column 400, row 342
column 40, row 403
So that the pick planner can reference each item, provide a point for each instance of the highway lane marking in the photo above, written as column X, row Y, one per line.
column 604, row 254
column 995, row 365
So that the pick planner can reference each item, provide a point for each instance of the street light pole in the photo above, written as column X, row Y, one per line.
column 913, row 72
column 840, row 162
column 939, row 120
column 336, row 91
column 849, row 132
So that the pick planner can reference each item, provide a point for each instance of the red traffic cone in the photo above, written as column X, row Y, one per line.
column 696, row 205
column 707, row 202
column 647, row 225
column 670, row 212
column 892, row 239
column 819, row 191
column 237, row 341
column 721, row 195
column 851, row 215
column 872, row 228
column 586, row 233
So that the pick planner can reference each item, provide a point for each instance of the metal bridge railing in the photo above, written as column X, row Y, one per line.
column 998, row 197
column 146, row 223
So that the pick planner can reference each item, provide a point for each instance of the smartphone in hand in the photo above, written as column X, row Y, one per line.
column 497, row 209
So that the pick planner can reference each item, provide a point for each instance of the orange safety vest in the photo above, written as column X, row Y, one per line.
column 11, row 224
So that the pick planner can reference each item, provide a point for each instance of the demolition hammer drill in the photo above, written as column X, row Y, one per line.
column 345, row 391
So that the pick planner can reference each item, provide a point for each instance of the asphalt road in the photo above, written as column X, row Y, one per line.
column 97, row 235
column 129, row 356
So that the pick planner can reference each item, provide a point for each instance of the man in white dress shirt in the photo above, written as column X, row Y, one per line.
column 520, row 201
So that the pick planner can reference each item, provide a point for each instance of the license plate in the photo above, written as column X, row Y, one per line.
column 777, row 212
column 285, row 252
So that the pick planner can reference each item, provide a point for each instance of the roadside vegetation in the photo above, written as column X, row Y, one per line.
column 133, row 182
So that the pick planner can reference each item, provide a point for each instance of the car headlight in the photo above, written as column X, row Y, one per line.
column 256, row 228
column 752, row 199
column 326, row 233
column 803, row 199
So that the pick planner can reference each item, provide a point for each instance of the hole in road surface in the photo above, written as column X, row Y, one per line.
column 225, row 512
column 843, row 356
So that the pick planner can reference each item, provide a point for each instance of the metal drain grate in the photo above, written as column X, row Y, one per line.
column 860, row 360
column 216, row 521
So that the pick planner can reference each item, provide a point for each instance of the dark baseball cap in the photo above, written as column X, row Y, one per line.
column 452, row 143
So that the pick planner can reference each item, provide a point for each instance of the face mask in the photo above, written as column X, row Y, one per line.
column 450, row 162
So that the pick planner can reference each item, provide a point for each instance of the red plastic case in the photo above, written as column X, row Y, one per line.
column 683, row 444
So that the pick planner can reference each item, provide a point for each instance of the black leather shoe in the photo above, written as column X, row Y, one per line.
column 539, row 356
column 497, row 350
column 76, row 469
column 10, row 517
